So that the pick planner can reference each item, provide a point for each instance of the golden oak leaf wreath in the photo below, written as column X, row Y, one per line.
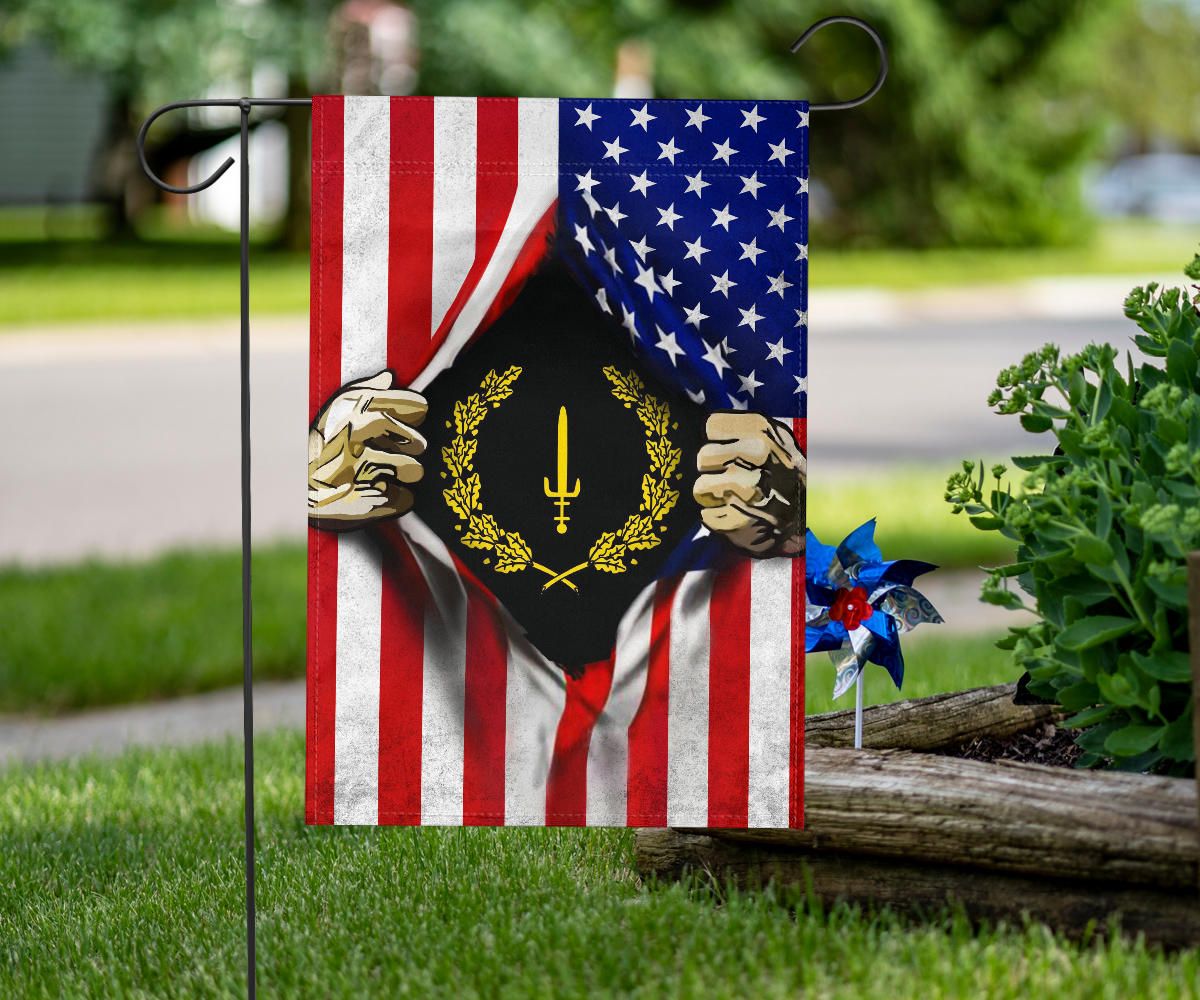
column 511, row 553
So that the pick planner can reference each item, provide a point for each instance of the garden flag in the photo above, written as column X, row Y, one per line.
column 556, row 462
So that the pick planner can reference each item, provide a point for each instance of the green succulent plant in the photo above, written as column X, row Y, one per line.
column 1103, row 527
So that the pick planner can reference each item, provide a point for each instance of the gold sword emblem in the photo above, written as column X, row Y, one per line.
column 562, row 496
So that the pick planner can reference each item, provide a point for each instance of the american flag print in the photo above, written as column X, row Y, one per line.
column 684, row 223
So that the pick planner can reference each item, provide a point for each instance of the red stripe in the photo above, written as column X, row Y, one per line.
column 410, row 239
column 796, row 762
column 495, row 188
column 402, row 614
column 566, row 785
column 483, row 709
column 646, row 802
column 729, row 697
column 402, row 648
column 325, row 375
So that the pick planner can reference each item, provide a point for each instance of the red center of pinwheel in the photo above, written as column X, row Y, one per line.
column 850, row 607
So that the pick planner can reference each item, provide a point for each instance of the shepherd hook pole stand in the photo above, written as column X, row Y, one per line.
column 244, row 106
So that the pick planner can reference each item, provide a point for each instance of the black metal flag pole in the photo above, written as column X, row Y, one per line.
column 244, row 106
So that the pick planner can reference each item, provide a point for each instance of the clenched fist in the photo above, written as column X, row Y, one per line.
column 361, row 454
column 752, row 484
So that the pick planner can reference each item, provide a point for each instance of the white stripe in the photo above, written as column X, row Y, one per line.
column 770, row 690
column 444, row 673
column 608, row 752
column 356, row 703
column 365, row 201
column 364, row 352
column 687, row 711
column 454, row 155
column 535, row 696
column 537, row 187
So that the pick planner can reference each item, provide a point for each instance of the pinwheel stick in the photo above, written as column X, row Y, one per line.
column 858, row 710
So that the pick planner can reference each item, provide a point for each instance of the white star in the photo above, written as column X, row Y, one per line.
column 696, row 184
column 666, row 342
column 750, row 251
column 801, row 317
column 586, row 182
column 738, row 404
column 726, row 349
column 801, row 383
column 779, row 151
column 749, row 383
column 801, row 251
column 668, row 281
column 777, row 351
column 723, row 151
column 669, row 150
column 582, row 238
column 586, row 117
column 722, row 284
column 803, row 123
column 752, row 118
column 641, row 183
column 610, row 258
column 749, row 317
column 592, row 204
column 628, row 323
column 645, row 278
column 713, row 356
column 696, row 397
column 615, row 213
column 778, row 284
column 695, row 250
column 779, row 218
column 614, row 149
column 695, row 316
column 641, row 248
column 643, row 117
column 668, row 216
column 803, row 185
column 602, row 299
column 723, row 218
column 750, row 185
column 697, row 117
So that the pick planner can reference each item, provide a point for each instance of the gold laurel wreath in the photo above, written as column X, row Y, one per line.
column 512, row 553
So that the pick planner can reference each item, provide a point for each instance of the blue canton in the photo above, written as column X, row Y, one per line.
column 687, row 221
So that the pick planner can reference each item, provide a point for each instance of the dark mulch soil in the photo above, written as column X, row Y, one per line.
column 1047, row 744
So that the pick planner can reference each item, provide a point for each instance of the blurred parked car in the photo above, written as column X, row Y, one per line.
column 1160, row 186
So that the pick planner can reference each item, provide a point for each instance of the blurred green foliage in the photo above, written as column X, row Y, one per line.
column 991, row 109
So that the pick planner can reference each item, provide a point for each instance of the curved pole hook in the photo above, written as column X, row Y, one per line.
column 158, row 112
column 883, row 60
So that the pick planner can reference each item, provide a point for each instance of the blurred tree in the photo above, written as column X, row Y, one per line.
column 1152, row 77
column 978, row 137
column 152, row 52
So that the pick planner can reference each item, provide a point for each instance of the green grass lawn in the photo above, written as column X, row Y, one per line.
column 102, row 633
column 124, row 879
column 187, row 274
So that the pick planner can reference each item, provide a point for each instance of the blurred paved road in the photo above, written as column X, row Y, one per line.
column 124, row 441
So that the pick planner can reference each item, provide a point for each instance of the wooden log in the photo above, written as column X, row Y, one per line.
column 1168, row 917
column 931, row 723
column 1018, row 818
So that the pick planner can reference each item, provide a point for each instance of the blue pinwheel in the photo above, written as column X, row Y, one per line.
column 859, row 604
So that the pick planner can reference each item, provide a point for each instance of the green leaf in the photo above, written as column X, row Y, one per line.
column 986, row 522
column 1090, row 549
column 1035, row 425
column 1119, row 690
column 1078, row 696
column 1172, row 667
column 1134, row 739
column 1089, row 717
column 1178, row 739
column 1031, row 462
column 1094, row 631
column 1181, row 363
